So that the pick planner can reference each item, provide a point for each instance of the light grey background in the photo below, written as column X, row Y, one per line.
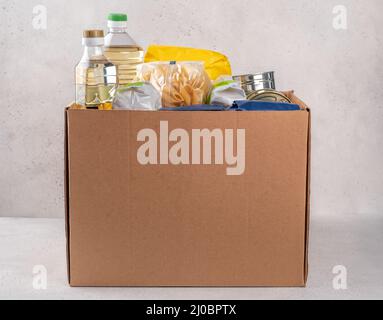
column 338, row 73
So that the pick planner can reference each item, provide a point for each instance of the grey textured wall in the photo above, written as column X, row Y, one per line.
column 339, row 73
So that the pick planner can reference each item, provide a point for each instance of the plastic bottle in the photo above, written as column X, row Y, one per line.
column 96, row 76
column 121, row 49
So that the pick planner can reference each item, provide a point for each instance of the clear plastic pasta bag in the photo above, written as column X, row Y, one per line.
column 180, row 83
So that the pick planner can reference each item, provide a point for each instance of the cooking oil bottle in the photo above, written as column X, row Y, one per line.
column 96, row 76
column 121, row 49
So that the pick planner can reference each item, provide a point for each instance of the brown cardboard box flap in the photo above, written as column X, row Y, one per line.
column 187, row 225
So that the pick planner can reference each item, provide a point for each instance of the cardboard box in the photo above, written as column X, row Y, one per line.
column 145, row 213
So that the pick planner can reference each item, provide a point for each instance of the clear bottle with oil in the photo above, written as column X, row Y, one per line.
column 121, row 49
column 96, row 76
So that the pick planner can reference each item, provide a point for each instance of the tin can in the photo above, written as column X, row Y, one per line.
column 255, row 82
column 269, row 95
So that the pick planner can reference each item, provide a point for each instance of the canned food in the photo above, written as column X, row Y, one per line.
column 255, row 82
column 268, row 95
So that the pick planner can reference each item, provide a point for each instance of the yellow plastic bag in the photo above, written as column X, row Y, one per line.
column 216, row 64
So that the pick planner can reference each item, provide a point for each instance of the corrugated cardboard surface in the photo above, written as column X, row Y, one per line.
column 165, row 225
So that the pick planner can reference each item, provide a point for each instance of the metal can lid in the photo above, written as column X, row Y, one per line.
column 264, row 76
column 269, row 95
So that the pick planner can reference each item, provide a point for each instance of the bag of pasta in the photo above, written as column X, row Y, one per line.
column 180, row 83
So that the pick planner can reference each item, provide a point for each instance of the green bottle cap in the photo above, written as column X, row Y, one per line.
column 118, row 17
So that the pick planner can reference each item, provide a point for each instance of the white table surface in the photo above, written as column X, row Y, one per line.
column 353, row 241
